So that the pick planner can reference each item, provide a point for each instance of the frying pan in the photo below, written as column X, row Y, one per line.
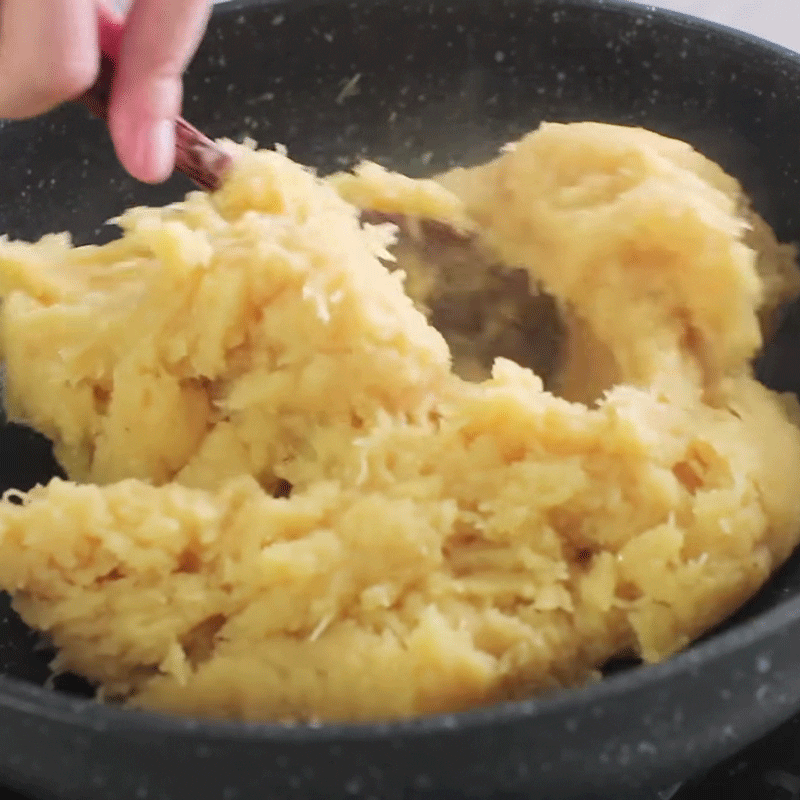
column 431, row 85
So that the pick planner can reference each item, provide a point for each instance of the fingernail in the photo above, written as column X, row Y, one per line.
column 157, row 155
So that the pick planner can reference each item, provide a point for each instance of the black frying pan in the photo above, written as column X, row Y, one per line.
column 455, row 81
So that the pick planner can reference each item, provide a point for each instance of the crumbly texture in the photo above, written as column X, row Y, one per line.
column 285, row 504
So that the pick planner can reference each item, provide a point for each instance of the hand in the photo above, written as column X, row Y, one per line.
column 50, row 52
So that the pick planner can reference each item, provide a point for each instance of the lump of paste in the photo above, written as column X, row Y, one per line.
column 285, row 504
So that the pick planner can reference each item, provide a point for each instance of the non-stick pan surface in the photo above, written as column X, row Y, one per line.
column 431, row 85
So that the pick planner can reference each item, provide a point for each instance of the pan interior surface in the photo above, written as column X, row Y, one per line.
column 421, row 88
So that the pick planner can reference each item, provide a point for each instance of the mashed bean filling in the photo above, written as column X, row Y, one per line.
column 292, row 497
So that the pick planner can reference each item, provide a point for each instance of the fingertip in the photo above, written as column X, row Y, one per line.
column 145, row 147
column 157, row 158
column 142, row 116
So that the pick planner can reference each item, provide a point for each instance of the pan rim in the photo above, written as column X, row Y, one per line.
column 87, row 714
column 22, row 697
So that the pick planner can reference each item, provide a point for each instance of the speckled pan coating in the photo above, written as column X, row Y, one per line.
column 420, row 87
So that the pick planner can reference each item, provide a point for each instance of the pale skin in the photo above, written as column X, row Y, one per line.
column 50, row 51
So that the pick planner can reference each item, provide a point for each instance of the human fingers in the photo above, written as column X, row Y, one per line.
column 159, row 39
column 48, row 54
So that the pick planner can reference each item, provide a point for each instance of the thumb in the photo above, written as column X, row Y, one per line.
column 158, row 40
